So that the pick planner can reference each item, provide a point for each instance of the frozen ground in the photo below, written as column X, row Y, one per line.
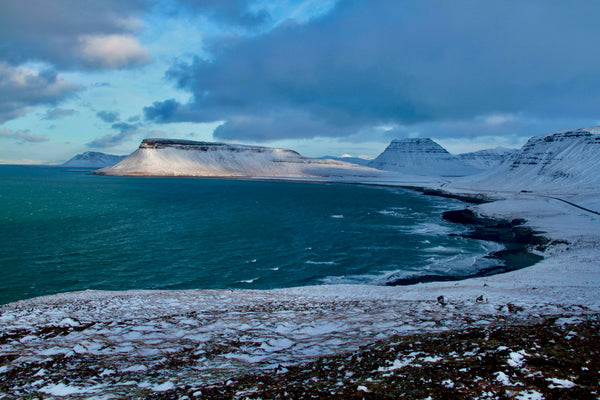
column 112, row 344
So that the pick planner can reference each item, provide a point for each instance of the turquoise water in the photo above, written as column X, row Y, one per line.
column 67, row 230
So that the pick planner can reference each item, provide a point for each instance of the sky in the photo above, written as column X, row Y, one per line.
column 322, row 77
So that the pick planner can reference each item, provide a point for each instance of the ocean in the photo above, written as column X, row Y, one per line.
column 66, row 230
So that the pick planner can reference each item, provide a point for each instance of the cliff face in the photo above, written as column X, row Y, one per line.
column 421, row 157
column 92, row 159
column 486, row 159
column 168, row 157
column 560, row 161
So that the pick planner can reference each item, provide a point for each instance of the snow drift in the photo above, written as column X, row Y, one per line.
column 421, row 157
column 167, row 157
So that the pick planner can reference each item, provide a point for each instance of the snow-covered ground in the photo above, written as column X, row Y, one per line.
column 157, row 340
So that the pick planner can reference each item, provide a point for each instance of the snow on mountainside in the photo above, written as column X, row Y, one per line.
column 92, row 159
column 421, row 157
column 167, row 157
column 559, row 162
column 352, row 160
column 486, row 159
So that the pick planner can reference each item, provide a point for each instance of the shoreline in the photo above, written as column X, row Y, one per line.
column 157, row 343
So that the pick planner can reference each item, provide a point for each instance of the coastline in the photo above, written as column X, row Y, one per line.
column 146, row 342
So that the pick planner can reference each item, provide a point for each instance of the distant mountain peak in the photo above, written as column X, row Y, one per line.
column 92, row 160
column 421, row 156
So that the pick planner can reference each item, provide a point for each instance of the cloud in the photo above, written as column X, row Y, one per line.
column 72, row 34
column 57, row 113
column 22, row 88
column 108, row 116
column 112, row 51
column 125, row 132
column 22, row 136
column 401, row 63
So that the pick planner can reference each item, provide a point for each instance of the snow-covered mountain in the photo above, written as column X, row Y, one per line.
column 486, row 159
column 92, row 159
column 353, row 160
column 421, row 157
column 564, row 161
column 168, row 157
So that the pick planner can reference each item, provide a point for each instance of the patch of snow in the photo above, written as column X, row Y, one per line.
column 560, row 383
column 60, row 389
column 503, row 378
column 516, row 358
column 163, row 387
column 431, row 359
column 529, row 395
column 448, row 383
column 68, row 322
column 135, row 368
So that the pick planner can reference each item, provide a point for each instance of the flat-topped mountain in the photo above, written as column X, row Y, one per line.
column 169, row 157
column 486, row 159
column 421, row 157
column 92, row 159
column 560, row 161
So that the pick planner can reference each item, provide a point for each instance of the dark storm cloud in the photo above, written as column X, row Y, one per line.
column 108, row 116
column 403, row 63
column 125, row 132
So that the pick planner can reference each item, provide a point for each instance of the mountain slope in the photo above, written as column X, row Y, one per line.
column 421, row 157
column 563, row 161
column 166, row 157
column 486, row 159
column 353, row 160
column 92, row 159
